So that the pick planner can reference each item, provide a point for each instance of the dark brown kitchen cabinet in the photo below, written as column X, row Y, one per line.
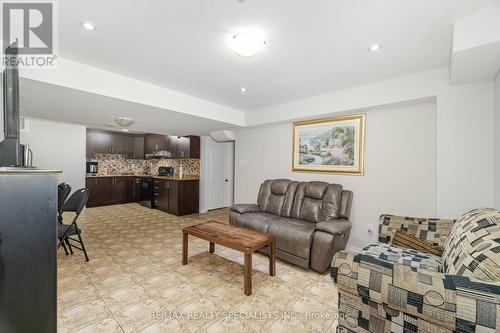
column 110, row 190
column 91, row 185
column 122, row 189
column 137, row 189
column 104, row 188
column 156, row 142
column 194, row 146
column 118, row 143
column 179, row 146
column 105, row 142
column 99, row 191
column 135, row 147
column 178, row 197
column 98, row 143
column 139, row 147
column 185, row 146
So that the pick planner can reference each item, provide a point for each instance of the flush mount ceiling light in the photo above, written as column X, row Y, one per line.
column 124, row 130
column 247, row 43
column 375, row 47
column 88, row 26
column 243, row 89
column 124, row 122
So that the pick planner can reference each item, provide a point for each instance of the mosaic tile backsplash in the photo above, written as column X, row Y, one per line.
column 118, row 164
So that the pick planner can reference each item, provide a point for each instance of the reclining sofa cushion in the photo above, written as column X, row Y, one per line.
column 292, row 236
column 258, row 221
column 245, row 208
column 317, row 201
column 335, row 227
column 346, row 204
column 276, row 196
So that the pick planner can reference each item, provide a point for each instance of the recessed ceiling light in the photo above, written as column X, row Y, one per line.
column 375, row 47
column 124, row 130
column 247, row 43
column 243, row 89
column 89, row 26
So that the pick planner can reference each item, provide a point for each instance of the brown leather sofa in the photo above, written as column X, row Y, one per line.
column 310, row 220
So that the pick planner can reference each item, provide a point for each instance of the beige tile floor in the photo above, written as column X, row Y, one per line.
column 135, row 282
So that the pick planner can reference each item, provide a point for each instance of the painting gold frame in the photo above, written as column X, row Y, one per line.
column 356, row 169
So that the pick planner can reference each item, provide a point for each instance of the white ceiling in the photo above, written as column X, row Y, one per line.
column 52, row 102
column 315, row 46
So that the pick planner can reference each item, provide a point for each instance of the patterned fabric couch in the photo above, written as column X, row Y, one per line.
column 385, row 288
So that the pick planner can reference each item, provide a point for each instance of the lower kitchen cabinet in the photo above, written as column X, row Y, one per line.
column 123, row 189
column 110, row 190
column 178, row 197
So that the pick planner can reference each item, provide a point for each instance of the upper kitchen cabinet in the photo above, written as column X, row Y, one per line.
column 106, row 142
column 135, row 147
column 103, row 142
column 156, row 142
column 139, row 146
column 185, row 146
column 194, row 146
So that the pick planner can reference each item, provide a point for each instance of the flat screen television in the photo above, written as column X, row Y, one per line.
column 10, row 155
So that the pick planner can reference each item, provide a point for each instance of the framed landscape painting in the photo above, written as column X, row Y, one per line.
column 329, row 145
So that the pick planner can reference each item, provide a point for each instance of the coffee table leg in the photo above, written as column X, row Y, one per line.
column 247, row 275
column 272, row 257
column 212, row 247
column 184, row 248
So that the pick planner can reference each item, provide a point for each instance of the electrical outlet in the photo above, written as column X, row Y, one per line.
column 370, row 228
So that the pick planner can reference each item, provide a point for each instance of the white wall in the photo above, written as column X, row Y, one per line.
column 464, row 129
column 400, row 170
column 497, row 141
column 58, row 146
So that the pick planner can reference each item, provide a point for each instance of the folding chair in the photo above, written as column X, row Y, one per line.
column 75, row 203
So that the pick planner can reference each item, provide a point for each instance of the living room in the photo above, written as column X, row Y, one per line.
column 264, row 167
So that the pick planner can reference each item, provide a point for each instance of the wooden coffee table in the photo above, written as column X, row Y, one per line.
column 236, row 238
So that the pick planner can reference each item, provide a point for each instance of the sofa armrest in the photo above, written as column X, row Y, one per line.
column 446, row 300
column 418, row 227
column 245, row 208
column 335, row 227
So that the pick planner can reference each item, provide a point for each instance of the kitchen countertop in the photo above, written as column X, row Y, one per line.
column 186, row 177
column 24, row 170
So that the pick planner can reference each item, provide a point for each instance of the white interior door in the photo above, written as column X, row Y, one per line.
column 220, row 174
